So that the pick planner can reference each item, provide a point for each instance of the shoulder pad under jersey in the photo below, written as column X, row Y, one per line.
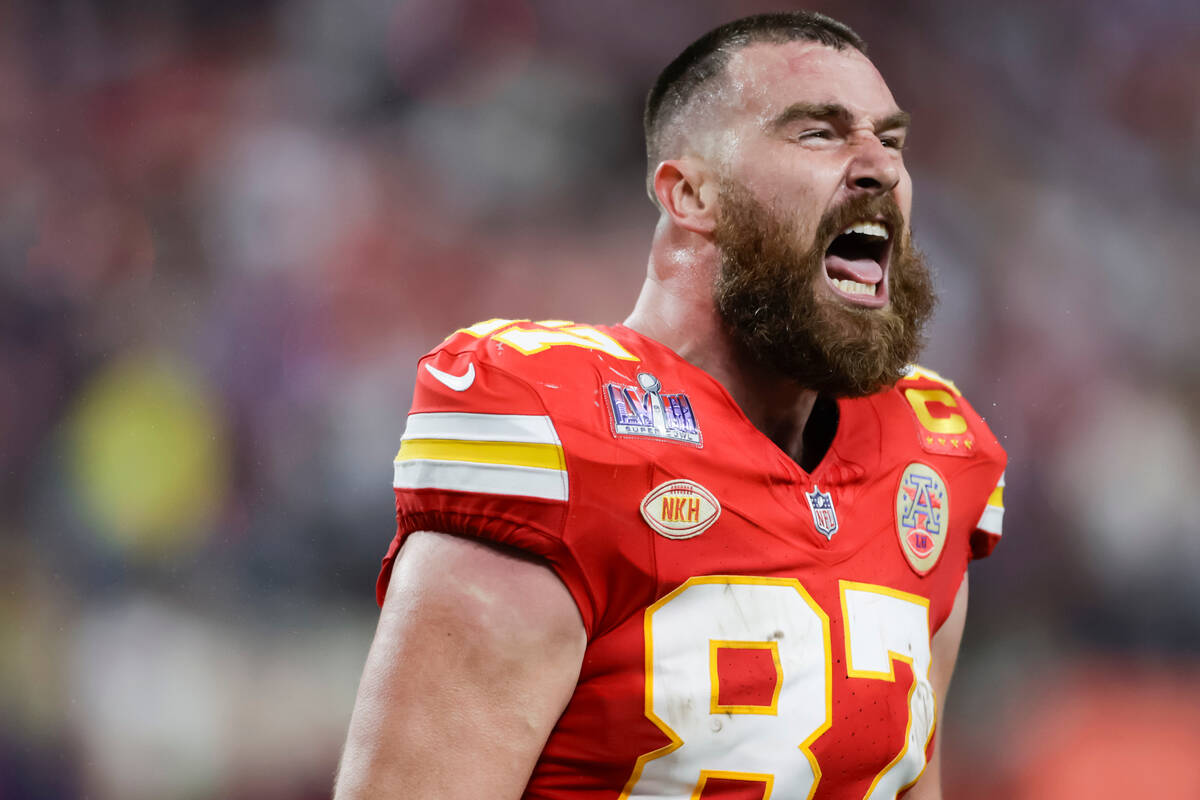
column 945, row 424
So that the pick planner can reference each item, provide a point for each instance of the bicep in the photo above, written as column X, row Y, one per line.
column 944, row 655
column 475, row 656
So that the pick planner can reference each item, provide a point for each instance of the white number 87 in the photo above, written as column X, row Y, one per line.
column 771, row 743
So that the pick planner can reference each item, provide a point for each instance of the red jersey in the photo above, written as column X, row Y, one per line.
column 754, row 630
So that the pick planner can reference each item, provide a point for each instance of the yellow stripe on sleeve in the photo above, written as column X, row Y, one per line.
column 997, row 497
column 513, row 454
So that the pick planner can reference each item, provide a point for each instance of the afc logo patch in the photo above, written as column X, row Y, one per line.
column 922, row 516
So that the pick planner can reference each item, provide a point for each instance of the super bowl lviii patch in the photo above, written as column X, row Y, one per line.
column 823, row 514
column 922, row 515
column 644, row 410
column 680, row 509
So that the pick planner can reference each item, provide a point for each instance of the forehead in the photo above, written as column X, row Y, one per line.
column 764, row 79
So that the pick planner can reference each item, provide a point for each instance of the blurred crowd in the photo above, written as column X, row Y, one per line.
column 228, row 229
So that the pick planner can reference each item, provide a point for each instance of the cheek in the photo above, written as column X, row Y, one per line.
column 799, row 193
column 904, row 194
column 785, row 176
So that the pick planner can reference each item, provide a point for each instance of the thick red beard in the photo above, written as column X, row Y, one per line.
column 773, row 297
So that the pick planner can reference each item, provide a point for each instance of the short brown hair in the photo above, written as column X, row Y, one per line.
column 708, row 56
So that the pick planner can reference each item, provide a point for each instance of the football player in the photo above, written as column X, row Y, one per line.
column 719, row 550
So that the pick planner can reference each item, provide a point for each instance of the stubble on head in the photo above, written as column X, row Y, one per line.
column 772, row 297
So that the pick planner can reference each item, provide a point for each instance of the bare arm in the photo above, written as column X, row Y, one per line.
column 475, row 657
column 945, row 653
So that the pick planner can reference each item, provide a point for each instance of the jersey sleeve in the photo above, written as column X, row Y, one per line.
column 987, row 485
column 480, row 457
column 987, row 531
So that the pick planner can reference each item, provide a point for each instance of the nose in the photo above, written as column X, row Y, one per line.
column 873, row 167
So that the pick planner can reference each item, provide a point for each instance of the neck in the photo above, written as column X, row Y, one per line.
column 676, row 308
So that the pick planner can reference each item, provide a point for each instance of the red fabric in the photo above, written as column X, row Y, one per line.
column 616, row 566
column 745, row 677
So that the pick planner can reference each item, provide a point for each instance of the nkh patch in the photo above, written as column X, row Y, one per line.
column 644, row 410
column 922, row 515
column 823, row 514
column 680, row 509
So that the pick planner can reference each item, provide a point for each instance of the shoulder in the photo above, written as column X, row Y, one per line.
column 955, row 439
column 510, row 342
column 532, row 394
column 519, row 360
column 510, row 435
column 937, row 442
column 928, row 411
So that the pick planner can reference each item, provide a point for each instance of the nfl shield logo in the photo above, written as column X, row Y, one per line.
column 824, row 517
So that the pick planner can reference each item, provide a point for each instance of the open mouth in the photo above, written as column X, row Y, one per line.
column 856, row 263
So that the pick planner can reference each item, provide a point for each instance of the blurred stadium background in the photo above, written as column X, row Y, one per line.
column 227, row 229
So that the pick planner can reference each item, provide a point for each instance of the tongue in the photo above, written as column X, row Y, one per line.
column 862, row 270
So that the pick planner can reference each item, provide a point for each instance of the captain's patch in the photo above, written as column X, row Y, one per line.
column 922, row 515
column 644, row 410
column 934, row 403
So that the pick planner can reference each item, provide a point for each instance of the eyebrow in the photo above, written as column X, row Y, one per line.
column 836, row 112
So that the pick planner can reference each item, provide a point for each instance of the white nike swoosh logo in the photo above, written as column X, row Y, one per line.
column 459, row 383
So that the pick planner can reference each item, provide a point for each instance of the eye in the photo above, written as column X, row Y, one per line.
column 816, row 133
column 892, row 142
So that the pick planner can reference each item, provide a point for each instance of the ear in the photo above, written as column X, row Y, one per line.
column 687, row 192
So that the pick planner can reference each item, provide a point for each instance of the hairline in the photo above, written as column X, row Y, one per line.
column 706, row 62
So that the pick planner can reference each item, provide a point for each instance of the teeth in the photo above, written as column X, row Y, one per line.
column 854, row 287
column 873, row 229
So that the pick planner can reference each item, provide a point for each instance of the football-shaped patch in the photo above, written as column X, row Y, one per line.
column 680, row 509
